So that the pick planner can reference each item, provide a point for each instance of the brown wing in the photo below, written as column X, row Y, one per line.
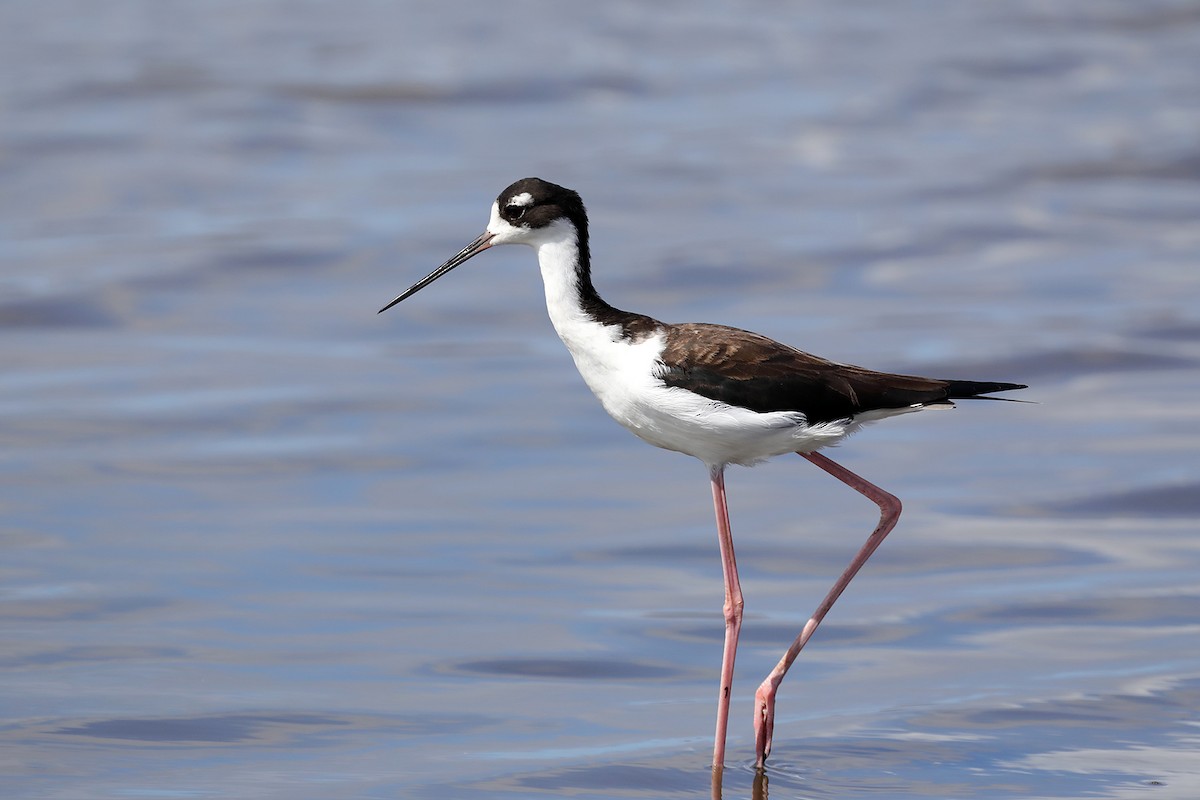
column 751, row 371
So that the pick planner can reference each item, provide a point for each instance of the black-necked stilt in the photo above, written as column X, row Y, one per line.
column 723, row 395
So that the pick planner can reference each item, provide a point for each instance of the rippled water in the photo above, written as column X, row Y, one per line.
column 259, row 542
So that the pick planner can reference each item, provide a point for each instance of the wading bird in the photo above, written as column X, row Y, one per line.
column 719, row 394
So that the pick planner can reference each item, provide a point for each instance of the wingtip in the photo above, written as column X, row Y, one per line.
column 966, row 390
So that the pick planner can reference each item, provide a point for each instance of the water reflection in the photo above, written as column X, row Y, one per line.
column 758, row 789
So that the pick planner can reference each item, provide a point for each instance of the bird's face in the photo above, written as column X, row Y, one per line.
column 530, row 212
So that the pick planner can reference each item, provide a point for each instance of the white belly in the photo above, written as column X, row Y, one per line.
column 716, row 433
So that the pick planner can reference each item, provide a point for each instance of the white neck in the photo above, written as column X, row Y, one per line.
column 559, row 264
column 557, row 249
column 619, row 371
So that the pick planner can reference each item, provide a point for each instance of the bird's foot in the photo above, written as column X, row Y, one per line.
column 764, row 722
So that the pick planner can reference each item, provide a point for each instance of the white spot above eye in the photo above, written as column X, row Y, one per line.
column 522, row 199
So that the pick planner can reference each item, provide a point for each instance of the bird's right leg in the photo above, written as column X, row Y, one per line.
column 733, row 611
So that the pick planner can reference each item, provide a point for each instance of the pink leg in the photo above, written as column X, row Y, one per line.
column 889, row 513
column 733, row 611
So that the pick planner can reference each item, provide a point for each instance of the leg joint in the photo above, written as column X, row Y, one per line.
column 733, row 610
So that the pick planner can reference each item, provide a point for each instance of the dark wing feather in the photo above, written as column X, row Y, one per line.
column 751, row 371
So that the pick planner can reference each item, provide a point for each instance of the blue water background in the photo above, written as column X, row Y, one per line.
column 259, row 542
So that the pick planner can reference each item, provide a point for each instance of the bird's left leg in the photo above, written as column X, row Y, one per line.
column 889, row 513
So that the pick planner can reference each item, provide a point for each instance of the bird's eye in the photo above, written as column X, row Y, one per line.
column 516, row 212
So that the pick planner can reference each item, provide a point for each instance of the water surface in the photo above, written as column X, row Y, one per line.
column 261, row 543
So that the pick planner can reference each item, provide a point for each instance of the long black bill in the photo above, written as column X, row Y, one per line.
column 478, row 246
